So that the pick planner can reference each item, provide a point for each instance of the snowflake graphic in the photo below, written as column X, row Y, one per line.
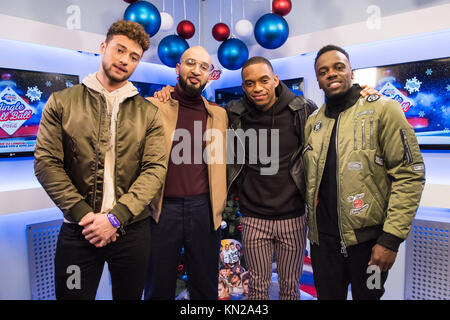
column 48, row 83
column 69, row 84
column 446, row 130
column 443, row 109
column 429, row 72
column 412, row 85
column 448, row 87
column 421, row 114
column 34, row 94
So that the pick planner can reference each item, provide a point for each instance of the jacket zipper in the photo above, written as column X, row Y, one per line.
column 407, row 157
column 371, row 134
column 115, row 118
column 343, row 247
column 363, row 135
column 316, row 193
column 97, row 152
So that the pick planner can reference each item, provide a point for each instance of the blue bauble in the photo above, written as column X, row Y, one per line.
column 170, row 50
column 232, row 54
column 271, row 31
column 146, row 14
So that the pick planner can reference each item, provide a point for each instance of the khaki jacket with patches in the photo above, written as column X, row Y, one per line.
column 380, row 170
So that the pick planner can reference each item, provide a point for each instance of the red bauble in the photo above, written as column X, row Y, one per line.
column 130, row 1
column 220, row 31
column 281, row 7
column 186, row 29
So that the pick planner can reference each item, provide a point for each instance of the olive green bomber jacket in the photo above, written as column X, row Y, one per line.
column 380, row 175
column 70, row 153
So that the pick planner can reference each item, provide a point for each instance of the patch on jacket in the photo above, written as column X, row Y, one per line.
column 364, row 113
column 354, row 166
column 418, row 167
column 358, row 203
column 373, row 98
column 317, row 126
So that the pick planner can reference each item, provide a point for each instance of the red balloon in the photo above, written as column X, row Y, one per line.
column 186, row 29
column 130, row 1
column 281, row 7
column 220, row 31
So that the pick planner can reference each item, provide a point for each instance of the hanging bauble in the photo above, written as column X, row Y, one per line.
column 220, row 31
column 130, row 1
column 166, row 21
column 281, row 7
column 186, row 29
column 232, row 54
column 244, row 28
column 271, row 31
column 146, row 14
column 170, row 50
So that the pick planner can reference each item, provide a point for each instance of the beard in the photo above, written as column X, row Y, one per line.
column 190, row 90
column 111, row 77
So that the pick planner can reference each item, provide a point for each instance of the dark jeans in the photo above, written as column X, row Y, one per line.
column 333, row 272
column 184, row 222
column 127, row 260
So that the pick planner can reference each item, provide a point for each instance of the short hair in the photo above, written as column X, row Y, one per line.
column 130, row 29
column 255, row 60
column 330, row 47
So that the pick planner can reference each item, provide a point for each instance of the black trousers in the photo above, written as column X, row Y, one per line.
column 333, row 272
column 127, row 260
column 184, row 222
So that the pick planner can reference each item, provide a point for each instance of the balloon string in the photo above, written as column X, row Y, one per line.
column 243, row 10
column 220, row 10
column 199, row 25
column 164, row 5
column 231, row 12
column 184, row 4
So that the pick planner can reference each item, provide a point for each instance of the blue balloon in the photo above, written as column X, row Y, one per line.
column 170, row 50
column 271, row 31
column 232, row 54
column 146, row 14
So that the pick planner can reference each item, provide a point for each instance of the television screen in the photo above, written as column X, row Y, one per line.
column 147, row 89
column 23, row 95
column 225, row 95
column 423, row 90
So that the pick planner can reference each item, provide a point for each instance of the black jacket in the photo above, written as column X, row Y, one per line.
column 300, row 109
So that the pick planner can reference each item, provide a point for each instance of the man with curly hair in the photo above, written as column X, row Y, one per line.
column 100, row 155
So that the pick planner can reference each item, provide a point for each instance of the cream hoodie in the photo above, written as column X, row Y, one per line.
column 113, row 101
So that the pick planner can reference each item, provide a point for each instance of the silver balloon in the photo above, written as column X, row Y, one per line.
column 244, row 28
column 166, row 21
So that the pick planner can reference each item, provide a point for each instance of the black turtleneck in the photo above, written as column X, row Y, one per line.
column 188, row 179
column 327, row 216
column 271, row 196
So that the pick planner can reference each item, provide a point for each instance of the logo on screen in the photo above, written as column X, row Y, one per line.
column 14, row 111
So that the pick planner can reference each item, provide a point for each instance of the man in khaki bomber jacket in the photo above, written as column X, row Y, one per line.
column 188, row 210
column 365, row 177
column 100, row 156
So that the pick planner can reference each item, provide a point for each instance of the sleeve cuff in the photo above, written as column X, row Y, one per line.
column 389, row 241
column 122, row 213
column 79, row 210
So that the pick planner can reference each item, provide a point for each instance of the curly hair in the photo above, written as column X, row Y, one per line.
column 132, row 30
